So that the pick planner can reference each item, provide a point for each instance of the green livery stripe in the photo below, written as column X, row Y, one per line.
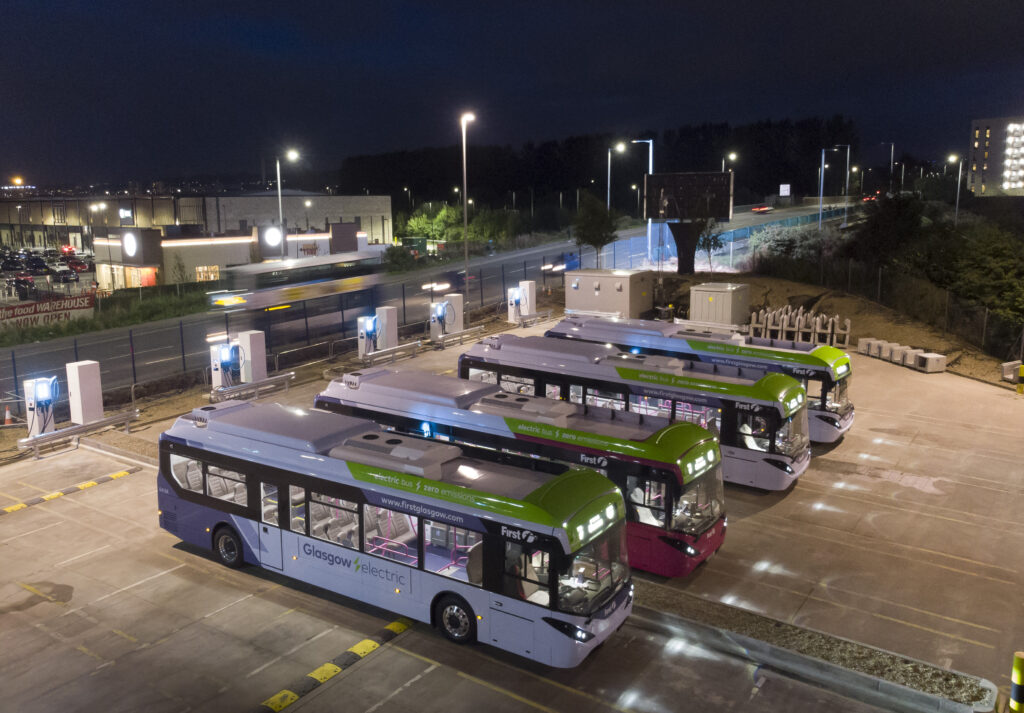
column 823, row 357
column 564, row 502
column 772, row 388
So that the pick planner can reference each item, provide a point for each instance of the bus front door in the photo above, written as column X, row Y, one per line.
column 270, row 530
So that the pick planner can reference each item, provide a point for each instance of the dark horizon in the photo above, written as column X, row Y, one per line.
column 111, row 91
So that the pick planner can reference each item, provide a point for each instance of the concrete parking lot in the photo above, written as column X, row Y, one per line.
column 902, row 536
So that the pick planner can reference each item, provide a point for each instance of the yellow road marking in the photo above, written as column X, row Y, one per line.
column 506, row 692
column 125, row 636
column 53, row 496
column 13, row 508
column 415, row 655
column 119, row 474
column 399, row 626
column 9, row 496
column 281, row 700
column 325, row 672
column 364, row 647
column 87, row 484
column 87, row 652
column 30, row 588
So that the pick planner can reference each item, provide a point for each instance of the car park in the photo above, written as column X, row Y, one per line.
column 11, row 264
column 78, row 265
column 65, row 274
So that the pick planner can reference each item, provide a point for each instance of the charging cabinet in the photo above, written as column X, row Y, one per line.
column 85, row 391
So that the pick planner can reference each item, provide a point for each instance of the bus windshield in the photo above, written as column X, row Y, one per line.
column 593, row 575
column 837, row 399
column 791, row 439
column 701, row 504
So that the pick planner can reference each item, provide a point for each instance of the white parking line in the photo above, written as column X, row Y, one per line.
column 84, row 554
column 218, row 611
column 401, row 688
column 123, row 589
column 290, row 651
column 38, row 529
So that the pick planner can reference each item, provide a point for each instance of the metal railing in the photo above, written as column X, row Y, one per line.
column 76, row 431
column 223, row 393
column 371, row 358
column 447, row 339
column 526, row 320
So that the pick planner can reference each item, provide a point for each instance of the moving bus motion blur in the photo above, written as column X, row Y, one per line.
column 825, row 371
column 276, row 282
column 529, row 562
column 670, row 475
column 762, row 423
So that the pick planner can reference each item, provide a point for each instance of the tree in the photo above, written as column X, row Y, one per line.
column 178, row 272
column 595, row 224
column 710, row 240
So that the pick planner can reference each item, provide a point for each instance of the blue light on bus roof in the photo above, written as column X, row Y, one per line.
column 634, row 350
column 425, row 427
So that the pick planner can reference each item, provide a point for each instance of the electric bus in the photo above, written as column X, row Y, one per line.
column 670, row 474
column 825, row 371
column 530, row 562
column 761, row 424
column 276, row 282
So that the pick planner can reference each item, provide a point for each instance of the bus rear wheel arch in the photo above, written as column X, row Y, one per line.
column 227, row 547
column 455, row 618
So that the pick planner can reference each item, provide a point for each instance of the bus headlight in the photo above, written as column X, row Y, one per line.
column 681, row 545
column 779, row 464
column 571, row 630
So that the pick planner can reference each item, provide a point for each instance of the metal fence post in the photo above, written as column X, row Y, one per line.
column 14, row 370
column 503, row 290
column 227, row 330
column 305, row 318
column 341, row 299
column 525, row 276
column 615, row 258
column 480, row 279
column 405, row 320
column 131, row 352
column 75, row 342
column 879, row 298
column 181, row 339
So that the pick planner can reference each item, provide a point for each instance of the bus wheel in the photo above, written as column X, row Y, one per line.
column 456, row 619
column 227, row 547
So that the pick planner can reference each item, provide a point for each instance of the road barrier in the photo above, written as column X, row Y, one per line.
column 76, row 431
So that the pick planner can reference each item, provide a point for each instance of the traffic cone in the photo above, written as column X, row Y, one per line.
column 8, row 420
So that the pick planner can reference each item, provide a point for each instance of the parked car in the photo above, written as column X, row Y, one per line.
column 762, row 209
column 78, row 265
column 65, row 275
column 12, row 264
column 37, row 266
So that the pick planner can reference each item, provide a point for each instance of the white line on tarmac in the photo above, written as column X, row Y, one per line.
column 115, row 456
column 218, row 611
column 38, row 529
column 290, row 651
column 157, row 361
column 401, row 688
column 84, row 554
column 122, row 589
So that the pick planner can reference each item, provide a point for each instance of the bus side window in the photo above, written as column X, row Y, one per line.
column 226, row 485
column 297, row 508
column 753, row 432
column 526, row 573
column 576, row 393
column 334, row 520
column 647, row 499
column 606, row 399
column 814, row 390
column 391, row 534
column 650, row 405
column 268, row 503
column 484, row 375
column 187, row 473
column 553, row 391
column 453, row 552
column 517, row 384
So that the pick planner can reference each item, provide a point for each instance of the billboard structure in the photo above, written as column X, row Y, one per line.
column 686, row 201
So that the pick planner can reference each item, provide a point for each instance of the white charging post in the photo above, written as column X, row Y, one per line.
column 446, row 316
column 377, row 332
column 85, row 391
column 515, row 302
column 253, row 344
column 527, row 298
column 223, row 359
column 366, row 335
column 39, row 397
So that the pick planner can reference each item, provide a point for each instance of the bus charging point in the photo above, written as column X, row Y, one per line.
column 40, row 394
column 514, row 305
column 226, row 362
column 446, row 316
column 378, row 331
column 252, row 343
column 366, row 335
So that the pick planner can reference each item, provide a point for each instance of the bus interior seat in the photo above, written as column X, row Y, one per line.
column 644, row 513
column 475, row 563
column 749, row 441
column 532, row 591
column 194, row 476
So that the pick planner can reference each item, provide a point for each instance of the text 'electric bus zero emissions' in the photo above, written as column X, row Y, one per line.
column 824, row 371
column 670, row 475
column 762, row 424
column 529, row 562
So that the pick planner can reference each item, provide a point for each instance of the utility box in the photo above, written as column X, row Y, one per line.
column 626, row 294
column 446, row 316
column 254, row 356
column 85, row 391
column 387, row 327
column 720, row 303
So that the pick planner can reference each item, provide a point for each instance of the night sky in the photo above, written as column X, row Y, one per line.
column 112, row 91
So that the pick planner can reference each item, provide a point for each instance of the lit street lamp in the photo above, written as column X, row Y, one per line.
column 463, row 121
column 846, row 188
column 892, row 156
column 620, row 147
column 292, row 155
column 636, row 188
column 409, row 195
column 732, row 159
column 959, row 171
column 650, row 171
column 821, row 186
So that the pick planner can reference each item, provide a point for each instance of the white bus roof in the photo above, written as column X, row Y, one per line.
column 294, row 263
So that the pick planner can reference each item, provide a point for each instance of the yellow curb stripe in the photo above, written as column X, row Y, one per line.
column 364, row 647
column 325, row 672
column 52, row 496
column 399, row 626
column 125, row 636
column 281, row 700
column 81, row 486
column 119, row 474
column 12, row 508
column 87, row 484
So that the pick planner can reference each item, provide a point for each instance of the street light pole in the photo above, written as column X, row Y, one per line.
column 293, row 156
column 650, row 171
column 892, row 156
column 463, row 121
column 959, row 173
column 732, row 157
column 620, row 147
column 846, row 189
column 821, row 188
